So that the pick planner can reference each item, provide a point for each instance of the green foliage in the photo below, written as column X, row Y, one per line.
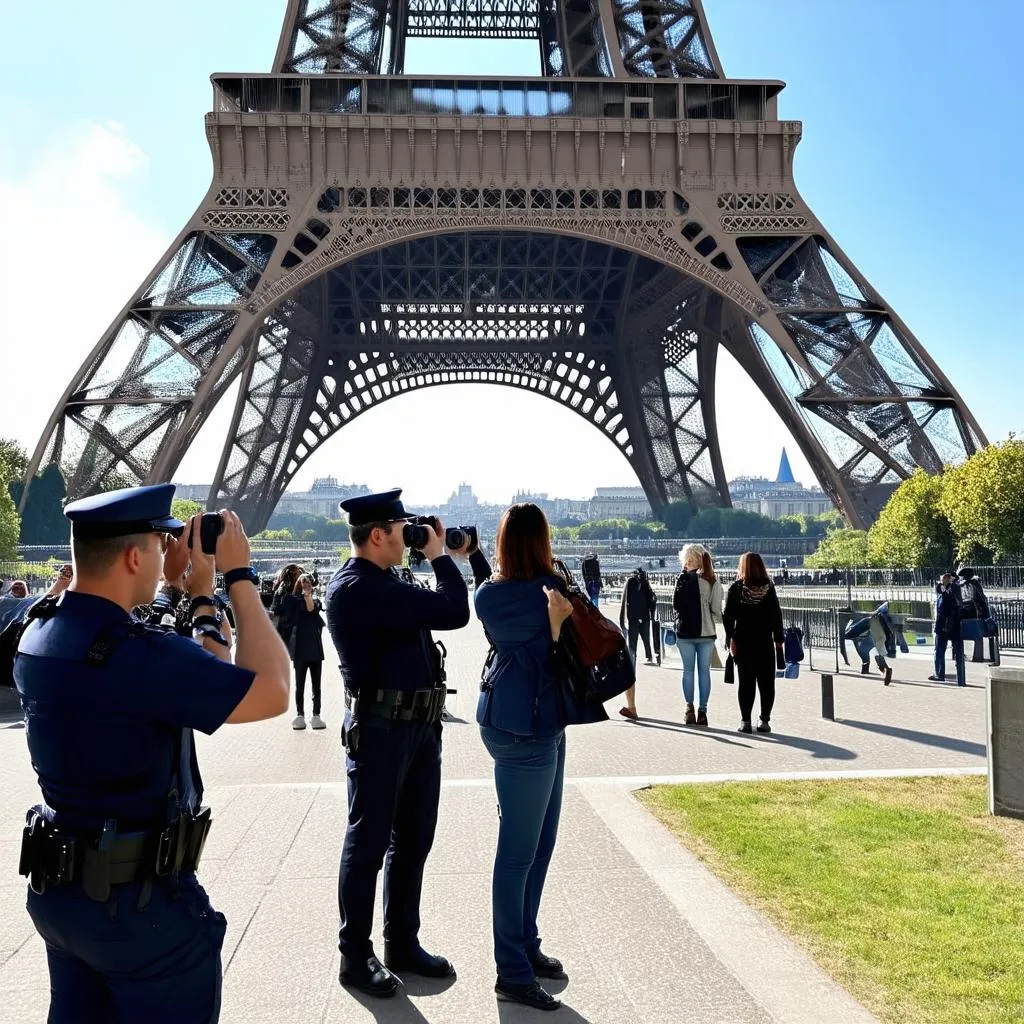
column 677, row 518
column 10, row 522
column 737, row 522
column 841, row 549
column 301, row 524
column 274, row 535
column 983, row 500
column 42, row 520
column 912, row 531
column 184, row 509
column 13, row 460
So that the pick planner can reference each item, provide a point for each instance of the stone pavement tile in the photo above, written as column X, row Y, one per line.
column 15, row 925
column 317, row 847
column 25, row 985
column 286, row 962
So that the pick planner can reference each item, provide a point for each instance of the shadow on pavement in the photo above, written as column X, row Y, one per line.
column 816, row 748
column 513, row 1013
column 395, row 1010
column 718, row 735
column 927, row 738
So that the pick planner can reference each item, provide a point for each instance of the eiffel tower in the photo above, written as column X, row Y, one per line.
column 592, row 235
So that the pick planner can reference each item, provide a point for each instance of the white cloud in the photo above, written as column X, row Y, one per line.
column 74, row 252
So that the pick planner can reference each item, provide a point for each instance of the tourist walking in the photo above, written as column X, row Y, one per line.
column 303, row 621
column 753, row 634
column 522, row 726
column 637, row 613
column 697, row 604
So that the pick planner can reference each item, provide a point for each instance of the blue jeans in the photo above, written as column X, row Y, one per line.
column 958, row 658
column 699, row 652
column 528, row 774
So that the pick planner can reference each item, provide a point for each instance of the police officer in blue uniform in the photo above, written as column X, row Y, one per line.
column 394, row 697
column 110, row 705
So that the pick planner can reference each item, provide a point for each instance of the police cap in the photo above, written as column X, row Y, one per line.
column 385, row 507
column 126, row 511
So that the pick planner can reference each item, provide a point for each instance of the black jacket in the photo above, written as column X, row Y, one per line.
column 308, row 627
column 638, row 600
column 753, row 618
column 381, row 625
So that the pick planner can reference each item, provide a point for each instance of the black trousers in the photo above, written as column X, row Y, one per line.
column 394, row 784
column 756, row 674
column 315, row 668
column 639, row 628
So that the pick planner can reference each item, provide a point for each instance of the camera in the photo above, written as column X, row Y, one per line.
column 455, row 537
column 414, row 533
column 211, row 526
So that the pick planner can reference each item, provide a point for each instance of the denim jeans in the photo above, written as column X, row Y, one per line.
column 698, row 651
column 958, row 658
column 528, row 774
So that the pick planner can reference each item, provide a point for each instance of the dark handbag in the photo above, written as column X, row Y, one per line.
column 595, row 637
column 780, row 659
column 990, row 626
column 585, row 688
column 730, row 670
column 971, row 629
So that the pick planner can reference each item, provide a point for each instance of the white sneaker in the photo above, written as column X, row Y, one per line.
column 317, row 722
column 299, row 722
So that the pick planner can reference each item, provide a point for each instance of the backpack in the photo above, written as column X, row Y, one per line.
column 968, row 599
column 686, row 604
column 792, row 645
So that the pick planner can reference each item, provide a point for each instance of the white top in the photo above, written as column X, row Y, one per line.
column 711, row 598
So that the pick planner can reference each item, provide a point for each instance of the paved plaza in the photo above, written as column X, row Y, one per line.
column 646, row 933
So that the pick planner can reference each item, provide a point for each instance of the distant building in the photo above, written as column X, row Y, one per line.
column 783, row 496
column 192, row 492
column 322, row 499
column 620, row 503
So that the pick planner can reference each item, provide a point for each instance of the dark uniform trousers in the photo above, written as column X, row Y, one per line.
column 394, row 784
column 113, row 961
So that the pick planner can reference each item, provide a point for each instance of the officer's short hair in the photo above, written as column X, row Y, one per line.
column 93, row 555
column 360, row 535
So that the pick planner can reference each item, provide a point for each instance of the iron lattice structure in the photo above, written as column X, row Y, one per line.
column 592, row 235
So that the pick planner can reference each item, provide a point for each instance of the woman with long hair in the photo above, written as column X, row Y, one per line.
column 284, row 587
column 753, row 633
column 697, row 602
column 305, row 624
column 522, row 726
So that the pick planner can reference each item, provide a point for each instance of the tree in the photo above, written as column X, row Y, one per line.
column 841, row 549
column 184, row 509
column 10, row 522
column 13, row 460
column 983, row 499
column 676, row 517
column 912, row 531
column 42, row 519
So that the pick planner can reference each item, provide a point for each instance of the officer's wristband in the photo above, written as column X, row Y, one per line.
column 202, row 621
column 208, row 633
column 199, row 602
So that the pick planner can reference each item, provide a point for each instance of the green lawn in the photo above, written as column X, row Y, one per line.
column 904, row 890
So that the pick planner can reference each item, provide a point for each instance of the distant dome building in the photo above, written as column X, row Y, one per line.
column 783, row 496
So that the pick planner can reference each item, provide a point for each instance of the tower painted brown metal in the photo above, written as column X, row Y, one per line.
column 592, row 235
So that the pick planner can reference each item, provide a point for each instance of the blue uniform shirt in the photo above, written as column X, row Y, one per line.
column 381, row 625
column 102, row 737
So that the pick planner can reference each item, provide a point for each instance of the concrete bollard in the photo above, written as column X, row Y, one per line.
column 1005, row 710
column 828, row 700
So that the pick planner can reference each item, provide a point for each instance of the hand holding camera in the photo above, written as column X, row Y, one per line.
column 426, row 534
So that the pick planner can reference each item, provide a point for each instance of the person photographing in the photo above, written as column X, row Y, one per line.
column 110, row 704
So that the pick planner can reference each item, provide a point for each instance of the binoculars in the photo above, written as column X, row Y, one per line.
column 415, row 535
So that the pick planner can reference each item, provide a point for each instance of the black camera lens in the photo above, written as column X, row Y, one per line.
column 415, row 535
column 456, row 537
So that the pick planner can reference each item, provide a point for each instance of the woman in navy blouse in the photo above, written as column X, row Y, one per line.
column 523, row 727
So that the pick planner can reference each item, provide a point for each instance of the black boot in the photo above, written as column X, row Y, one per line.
column 417, row 961
column 529, row 995
column 369, row 976
column 547, row 967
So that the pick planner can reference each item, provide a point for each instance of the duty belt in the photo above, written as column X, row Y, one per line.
column 50, row 856
column 399, row 705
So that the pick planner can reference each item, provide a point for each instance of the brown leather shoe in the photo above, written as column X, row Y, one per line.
column 691, row 716
column 629, row 713
column 702, row 718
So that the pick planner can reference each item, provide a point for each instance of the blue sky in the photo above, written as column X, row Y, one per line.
column 912, row 113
